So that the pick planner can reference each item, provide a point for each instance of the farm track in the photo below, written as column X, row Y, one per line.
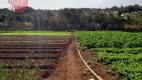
column 31, row 52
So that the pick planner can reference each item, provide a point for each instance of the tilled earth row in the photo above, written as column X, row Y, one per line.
column 32, row 51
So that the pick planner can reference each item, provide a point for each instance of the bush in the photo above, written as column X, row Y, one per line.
column 133, row 28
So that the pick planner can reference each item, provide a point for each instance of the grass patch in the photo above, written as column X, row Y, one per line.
column 38, row 33
column 23, row 73
column 18, row 74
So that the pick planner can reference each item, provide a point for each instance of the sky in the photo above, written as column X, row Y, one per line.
column 58, row 4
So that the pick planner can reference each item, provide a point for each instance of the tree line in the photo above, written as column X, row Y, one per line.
column 128, row 18
column 129, row 9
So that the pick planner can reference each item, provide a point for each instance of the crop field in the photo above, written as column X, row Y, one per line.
column 39, row 33
column 30, row 55
column 121, row 52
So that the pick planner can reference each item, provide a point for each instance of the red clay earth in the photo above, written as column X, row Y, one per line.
column 68, row 68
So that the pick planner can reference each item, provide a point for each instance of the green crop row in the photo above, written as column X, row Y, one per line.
column 39, row 33
column 18, row 74
column 109, row 39
column 120, row 50
column 127, row 65
column 23, row 73
column 117, row 50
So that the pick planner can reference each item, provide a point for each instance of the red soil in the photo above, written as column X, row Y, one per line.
column 68, row 68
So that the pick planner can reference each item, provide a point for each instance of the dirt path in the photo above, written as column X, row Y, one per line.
column 73, row 72
column 68, row 68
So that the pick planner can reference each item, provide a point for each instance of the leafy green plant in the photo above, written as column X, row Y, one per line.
column 120, row 50
column 108, row 39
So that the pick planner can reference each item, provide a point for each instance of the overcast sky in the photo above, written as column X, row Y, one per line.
column 57, row 4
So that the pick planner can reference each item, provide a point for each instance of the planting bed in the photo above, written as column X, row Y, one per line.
column 42, row 52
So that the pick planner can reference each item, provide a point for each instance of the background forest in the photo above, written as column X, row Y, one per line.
column 124, row 18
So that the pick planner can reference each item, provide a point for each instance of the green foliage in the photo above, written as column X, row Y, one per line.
column 120, row 50
column 3, row 17
column 18, row 74
column 39, row 33
column 75, row 19
column 19, row 18
column 126, row 64
column 130, row 8
column 110, row 19
column 108, row 39
column 29, row 10
column 24, row 73
column 71, row 14
column 138, row 18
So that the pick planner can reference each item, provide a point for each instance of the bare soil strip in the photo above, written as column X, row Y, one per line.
column 32, row 54
column 68, row 67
